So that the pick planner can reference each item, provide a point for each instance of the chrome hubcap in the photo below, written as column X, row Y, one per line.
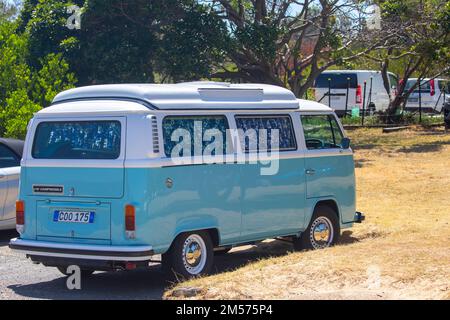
column 322, row 233
column 194, row 254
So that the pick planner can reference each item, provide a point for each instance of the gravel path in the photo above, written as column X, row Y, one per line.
column 21, row 279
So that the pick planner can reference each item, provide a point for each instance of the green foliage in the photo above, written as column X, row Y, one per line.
column 14, row 71
column 52, row 78
column 261, row 38
column 191, row 45
column 25, row 88
column 19, row 109
column 46, row 29
column 125, row 41
column 7, row 10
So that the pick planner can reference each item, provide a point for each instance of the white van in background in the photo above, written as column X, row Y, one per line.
column 432, row 93
column 376, row 95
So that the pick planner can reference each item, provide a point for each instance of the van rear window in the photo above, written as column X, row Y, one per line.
column 77, row 140
column 338, row 80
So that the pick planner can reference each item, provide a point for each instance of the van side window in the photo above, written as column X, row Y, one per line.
column 250, row 131
column 321, row 132
column 8, row 158
column 186, row 130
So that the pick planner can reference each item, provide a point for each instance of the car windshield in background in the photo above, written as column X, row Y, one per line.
column 8, row 158
column 77, row 140
column 338, row 80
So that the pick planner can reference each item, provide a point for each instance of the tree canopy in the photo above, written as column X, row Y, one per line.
column 282, row 42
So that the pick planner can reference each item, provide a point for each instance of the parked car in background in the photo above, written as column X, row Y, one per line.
column 434, row 94
column 10, row 155
column 377, row 98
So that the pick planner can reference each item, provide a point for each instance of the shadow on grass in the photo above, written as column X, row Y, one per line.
column 362, row 163
column 150, row 283
column 425, row 147
column 364, row 146
column 347, row 238
column 247, row 254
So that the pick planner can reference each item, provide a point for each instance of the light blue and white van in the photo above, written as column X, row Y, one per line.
column 115, row 174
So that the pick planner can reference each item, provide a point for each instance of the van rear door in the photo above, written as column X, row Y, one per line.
column 338, row 83
column 74, row 170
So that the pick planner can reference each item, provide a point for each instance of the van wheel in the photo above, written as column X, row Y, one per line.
column 323, row 230
column 191, row 255
column 84, row 272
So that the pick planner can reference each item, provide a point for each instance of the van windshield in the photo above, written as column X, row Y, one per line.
column 77, row 140
column 338, row 80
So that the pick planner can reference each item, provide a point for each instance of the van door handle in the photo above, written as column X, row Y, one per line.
column 310, row 172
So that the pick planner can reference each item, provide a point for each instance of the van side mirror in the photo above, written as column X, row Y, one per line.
column 345, row 143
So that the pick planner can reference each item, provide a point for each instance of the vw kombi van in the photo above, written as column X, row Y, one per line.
column 115, row 174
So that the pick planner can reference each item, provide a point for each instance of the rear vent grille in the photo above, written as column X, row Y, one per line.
column 155, row 135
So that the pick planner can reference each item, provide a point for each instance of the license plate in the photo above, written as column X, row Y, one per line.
column 413, row 99
column 73, row 216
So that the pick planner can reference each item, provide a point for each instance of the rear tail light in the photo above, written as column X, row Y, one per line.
column 20, row 216
column 358, row 94
column 432, row 88
column 130, row 221
column 130, row 266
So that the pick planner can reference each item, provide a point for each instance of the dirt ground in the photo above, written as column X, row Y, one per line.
column 401, row 251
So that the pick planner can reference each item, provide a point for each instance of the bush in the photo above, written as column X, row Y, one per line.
column 18, row 111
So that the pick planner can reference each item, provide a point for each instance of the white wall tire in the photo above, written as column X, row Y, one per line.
column 322, row 232
column 191, row 255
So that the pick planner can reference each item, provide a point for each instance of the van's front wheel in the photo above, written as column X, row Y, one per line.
column 191, row 254
column 323, row 230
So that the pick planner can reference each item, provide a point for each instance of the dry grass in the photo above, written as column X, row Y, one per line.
column 403, row 186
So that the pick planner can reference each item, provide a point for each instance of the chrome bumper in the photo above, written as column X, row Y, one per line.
column 81, row 251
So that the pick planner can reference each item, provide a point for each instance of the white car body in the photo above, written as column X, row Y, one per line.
column 375, row 91
column 432, row 94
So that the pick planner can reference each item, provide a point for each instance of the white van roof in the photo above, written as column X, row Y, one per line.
column 354, row 71
column 312, row 106
column 189, row 96
column 427, row 79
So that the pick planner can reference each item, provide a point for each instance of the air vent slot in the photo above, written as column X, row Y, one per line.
column 155, row 135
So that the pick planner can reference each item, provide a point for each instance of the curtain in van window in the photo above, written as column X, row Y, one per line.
column 187, row 123
column 77, row 140
column 281, row 123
